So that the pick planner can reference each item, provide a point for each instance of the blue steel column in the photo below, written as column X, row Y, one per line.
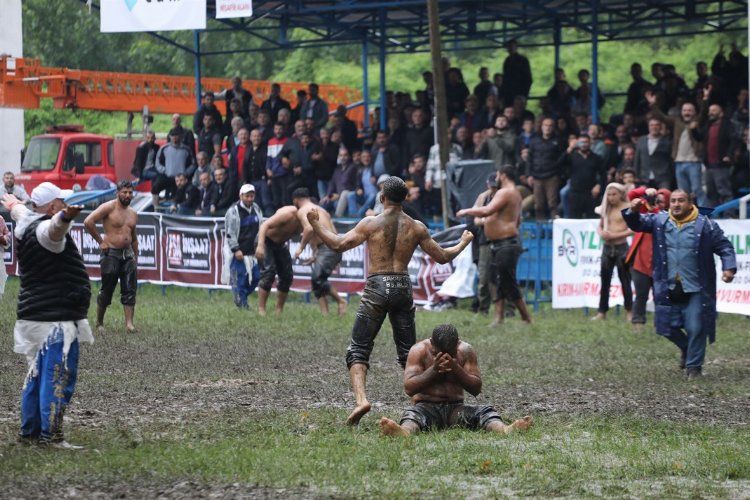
column 383, row 100
column 365, row 83
column 197, row 43
column 594, row 61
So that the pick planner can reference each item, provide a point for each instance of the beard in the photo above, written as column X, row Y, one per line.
column 125, row 202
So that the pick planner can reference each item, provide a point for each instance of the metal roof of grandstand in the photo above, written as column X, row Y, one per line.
column 402, row 25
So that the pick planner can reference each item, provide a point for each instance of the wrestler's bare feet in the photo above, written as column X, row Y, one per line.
column 391, row 428
column 100, row 328
column 599, row 317
column 629, row 316
column 359, row 412
column 342, row 307
column 130, row 328
column 522, row 424
column 261, row 312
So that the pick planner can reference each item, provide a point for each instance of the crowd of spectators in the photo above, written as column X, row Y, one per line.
column 669, row 134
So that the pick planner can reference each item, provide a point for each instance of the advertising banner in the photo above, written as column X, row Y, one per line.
column 119, row 16
column 190, row 251
column 9, row 254
column 233, row 8
column 576, row 259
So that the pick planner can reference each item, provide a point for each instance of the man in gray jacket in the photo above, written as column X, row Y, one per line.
column 500, row 144
column 241, row 225
column 653, row 157
column 173, row 158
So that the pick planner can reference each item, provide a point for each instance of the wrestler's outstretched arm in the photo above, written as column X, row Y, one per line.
column 340, row 243
column 433, row 249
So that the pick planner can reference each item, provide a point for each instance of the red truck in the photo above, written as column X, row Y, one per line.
column 68, row 157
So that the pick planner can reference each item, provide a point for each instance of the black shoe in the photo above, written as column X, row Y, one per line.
column 27, row 440
column 683, row 356
column 694, row 373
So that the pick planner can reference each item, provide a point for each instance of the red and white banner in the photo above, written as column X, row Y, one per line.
column 576, row 261
column 186, row 251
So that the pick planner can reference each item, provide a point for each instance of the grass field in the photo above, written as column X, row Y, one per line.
column 208, row 401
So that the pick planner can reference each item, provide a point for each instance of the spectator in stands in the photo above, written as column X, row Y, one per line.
column 348, row 128
column 740, row 116
column 465, row 142
column 233, row 137
column 614, row 233
column 386, row 156
column 239, row 155
column 561, row 96
column 636, row 103
column 514, row 124
column 500, row 144
column 285, row 118
column 543, row 170
column 417, row 172
column 517, row 74
column 686, row 152
column 315, row 107
column 628, row 159
column 186, row 135
column 242, row 224
column 209, row 195
column 671, row 87
column 641, row 251
column 343, row 181
column 203, row 166
column 716, row 133
column 254, row 172
column 144, row 164
column 470, row 117
column 265, row 126
column 489, row 113
column 434, row 176
column 207, row 108
column 297, row 110
column 456, row 92
column 622, row 140
column 584, row 92
column 733, row 71
column 701, row 71
column 227, row 191
column 740, row 175
column 420, row 136
column 587, row 175
column 363, row 197
column 187, row 197
column 527, row 133
column 236, row 91
column 653, row 155
column 236, row 117
column 275, row 170
column 303, row 169
column 173, row 158
column 275, row 103
column 484, row 86
column 209, row 137
column 9, row 186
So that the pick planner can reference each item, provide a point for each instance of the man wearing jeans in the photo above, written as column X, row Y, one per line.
column 684, row 244
column 686, row 149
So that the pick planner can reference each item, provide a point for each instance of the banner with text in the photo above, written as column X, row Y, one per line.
column 120, row 16
column 233, row 8
column 576, row 261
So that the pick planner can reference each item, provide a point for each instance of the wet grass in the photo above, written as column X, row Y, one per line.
column 209, row 401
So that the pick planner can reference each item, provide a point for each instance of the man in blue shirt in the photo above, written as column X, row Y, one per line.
column 684, row 274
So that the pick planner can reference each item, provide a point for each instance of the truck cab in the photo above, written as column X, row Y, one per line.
column 68, row 157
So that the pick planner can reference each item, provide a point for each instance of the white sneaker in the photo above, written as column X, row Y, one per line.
column 64, row 445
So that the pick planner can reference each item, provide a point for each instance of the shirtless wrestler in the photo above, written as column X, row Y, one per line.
column 324, row 259
column 119, row 252
column 438, row 371
column 272, row 252
column 391, row 240
column 502, row 216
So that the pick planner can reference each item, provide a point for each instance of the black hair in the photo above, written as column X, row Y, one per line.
column 394, row 189
column 300, row 193
column 509, row 171
column 124, row 185
column 445, row 338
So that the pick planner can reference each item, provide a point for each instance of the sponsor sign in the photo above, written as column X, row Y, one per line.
column 188, row 250
column 118, row 16
column 233, row 8
column 8, row 253
column 576, row 259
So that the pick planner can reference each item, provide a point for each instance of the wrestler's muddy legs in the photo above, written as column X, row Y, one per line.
column 129, row 314
column 262, row 299
column 522, row 424
column 358, row 376
column 391, row 428
column 339, row 300
column 280, row 301
column 100, row 312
